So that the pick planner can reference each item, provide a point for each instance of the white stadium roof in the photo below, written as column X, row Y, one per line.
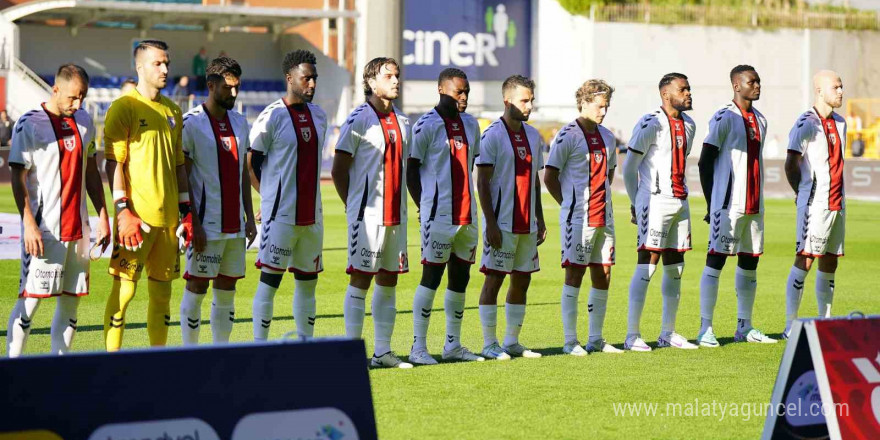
column 146, row 15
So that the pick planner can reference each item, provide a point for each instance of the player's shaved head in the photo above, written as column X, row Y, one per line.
column 70, row 71
column 146, row 45
column 829, row 88
column 512, row 82
column 823, row 76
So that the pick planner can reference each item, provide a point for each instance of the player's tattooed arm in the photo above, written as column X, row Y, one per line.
column 414, row 180
column 33, row 241
column 793, row 169
column 339, row 172
column 539, row 213
column 707, row 174
column 551, row 181
column 484, row 191
column 95, row 190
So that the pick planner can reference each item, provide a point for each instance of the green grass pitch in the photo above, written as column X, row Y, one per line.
column 556, row 396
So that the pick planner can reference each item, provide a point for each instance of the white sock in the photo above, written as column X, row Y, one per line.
column 453, row 304
column 671, row 289
column 489, row 321
column 353, row 310
column 20, row 321
column 569, row 303
column 746, row 283
column 794, row 290
column 64, row 324
column 423, row 302
column 222, row 315
column 638, row 289
column 514, row 314
column 596, row 306
column 191, row 316
column 824, row 292
column 264, row 302
column 708, row 296
column 384, row 312
column 304, row 308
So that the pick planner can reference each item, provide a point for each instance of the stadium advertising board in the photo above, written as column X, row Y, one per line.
column 828, row 384
column 247, row 391
column 487, row 39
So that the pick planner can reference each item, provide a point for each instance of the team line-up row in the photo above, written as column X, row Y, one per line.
column 182, row 182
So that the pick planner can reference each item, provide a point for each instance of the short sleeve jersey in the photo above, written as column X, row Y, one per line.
column 739, row 170
column 446, row 148
column 144, row 137
column 292, row 139
column 379, row 145
column 54, row 150
column 217, row 150
column 586, row 161
column 822, row 142
column 665, row 143
column 516, row 158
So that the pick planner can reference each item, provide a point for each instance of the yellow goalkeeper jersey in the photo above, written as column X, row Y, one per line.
column 144, row 137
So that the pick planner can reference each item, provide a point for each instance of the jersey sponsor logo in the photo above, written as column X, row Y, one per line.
column 48, row 274
column 211, row 259
column 306, row 132
column 280, row 251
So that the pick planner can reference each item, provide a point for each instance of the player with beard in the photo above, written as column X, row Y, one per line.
column 368, row 172
column 513, row 220
column 814, row 169
column 732, row 176
column 446, row 140
column 654, row 174
column 53, row 165
column 291, row 132
column 215, row 140
column 147, row 171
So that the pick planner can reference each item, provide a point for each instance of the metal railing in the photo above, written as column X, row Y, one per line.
column 755, row 17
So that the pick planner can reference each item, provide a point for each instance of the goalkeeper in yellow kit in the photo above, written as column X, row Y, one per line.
column 145, row 165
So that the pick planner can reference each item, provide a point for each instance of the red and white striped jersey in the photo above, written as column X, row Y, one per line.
column 55, row 151
column 217, row 150
column 517, row 158
column 446, row 148
column 666, row 143
column 822, row 143
column 379, row 145
column 585, row 161
column 292, row 139
column 739, row 169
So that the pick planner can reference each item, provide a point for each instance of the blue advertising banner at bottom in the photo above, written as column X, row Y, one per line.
column 247, row 391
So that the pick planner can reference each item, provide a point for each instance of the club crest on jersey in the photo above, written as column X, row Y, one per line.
column 597, row 155
column 458, row 141
column 833, row 137
column 306, row 133
column 392, row 136
column 227, row 143
column 752, row 134
column 679, row 141
column 171, row 122
column 69, row 143
column 521, row 152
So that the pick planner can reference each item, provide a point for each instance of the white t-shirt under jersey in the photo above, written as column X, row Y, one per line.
column 447, row 190
column 379, row 145
column 517, row 158
column 55, row 150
